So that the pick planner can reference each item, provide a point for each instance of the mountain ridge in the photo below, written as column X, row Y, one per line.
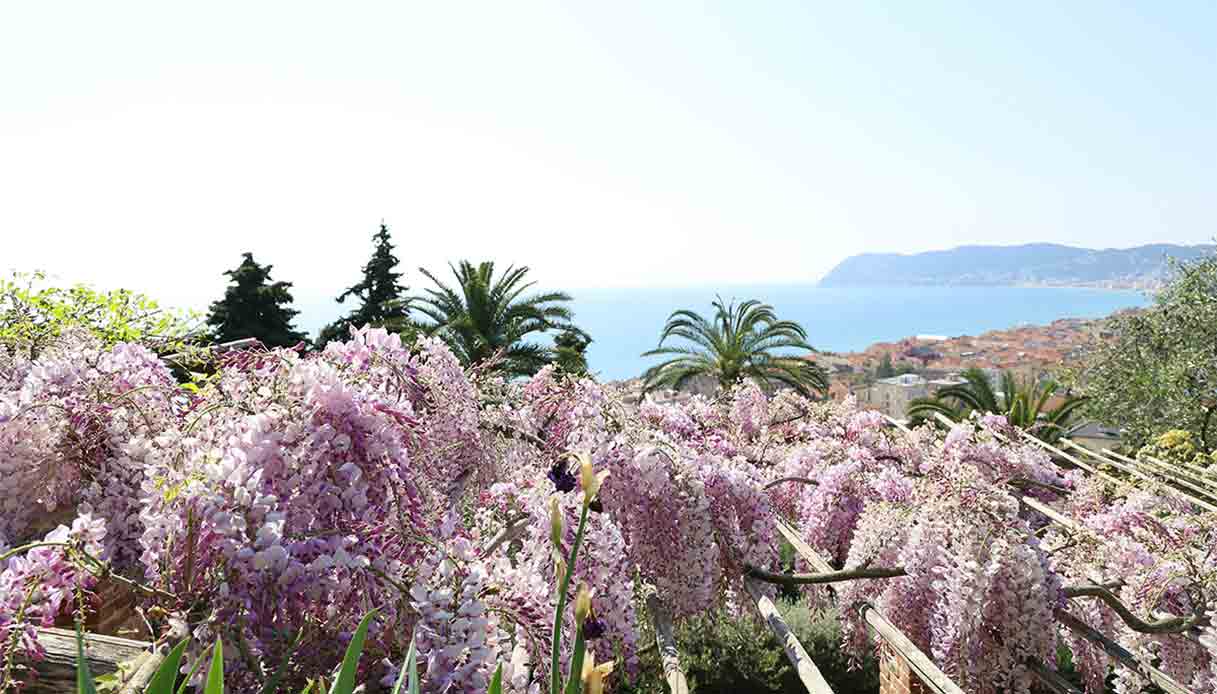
column 1046, row 264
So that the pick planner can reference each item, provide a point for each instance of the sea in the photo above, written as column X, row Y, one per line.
column 624, row 323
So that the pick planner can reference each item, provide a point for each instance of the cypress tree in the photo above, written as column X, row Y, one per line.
column 255, row 306
column 381, row 295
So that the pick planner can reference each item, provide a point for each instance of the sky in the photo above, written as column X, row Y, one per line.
column 147, row 145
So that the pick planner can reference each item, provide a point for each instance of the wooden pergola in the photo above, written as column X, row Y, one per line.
column 1194, row 485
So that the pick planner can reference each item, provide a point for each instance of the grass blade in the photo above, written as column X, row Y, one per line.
column 345, row 683
column 166, row 675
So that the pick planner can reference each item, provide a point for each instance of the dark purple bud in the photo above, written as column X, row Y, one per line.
column 593, row 628
column 563, row 480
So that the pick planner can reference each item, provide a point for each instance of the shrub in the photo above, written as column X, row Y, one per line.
column 728, row 652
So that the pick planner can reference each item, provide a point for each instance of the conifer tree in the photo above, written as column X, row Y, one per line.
column 382, row 300
column 570, row 351
column 255, row 306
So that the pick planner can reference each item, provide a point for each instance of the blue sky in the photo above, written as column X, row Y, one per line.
column 603, row 144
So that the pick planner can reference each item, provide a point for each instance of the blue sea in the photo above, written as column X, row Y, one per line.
column 624, row 323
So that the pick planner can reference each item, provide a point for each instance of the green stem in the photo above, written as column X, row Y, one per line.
column 575, row 683
column 555, row 674
column 95, row 566
column 33, row 545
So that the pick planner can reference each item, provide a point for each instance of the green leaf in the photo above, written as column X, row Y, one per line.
column 84, row 678
column 345, row 684
column 411, row 665
column 409, row 672
column 496, row 682
column 166, row 675
column 194, row 670
column 215, row 676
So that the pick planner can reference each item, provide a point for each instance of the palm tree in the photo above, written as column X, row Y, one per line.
column 738, row 344
column 1022, row 404
column 485, row 320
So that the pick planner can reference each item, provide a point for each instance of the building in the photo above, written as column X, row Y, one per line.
column 893, row 396
column 1096, row 437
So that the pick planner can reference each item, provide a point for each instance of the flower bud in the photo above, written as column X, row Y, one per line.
column 583, row 603
column 593, row 675
column 590, row 478
column 556, row 526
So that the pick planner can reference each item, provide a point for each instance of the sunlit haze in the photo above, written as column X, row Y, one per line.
column 147, row 145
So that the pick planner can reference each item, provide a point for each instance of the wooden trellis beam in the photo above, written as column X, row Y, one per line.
column 1201, row 503
column 1121, row 654
column 934, row 678
column 1153, row 466
column 57, row 672
column 1183, row 477
column 666, row 642
column 1126, row 658
column 807, row 671
column 1052, row 514
column 918, row 662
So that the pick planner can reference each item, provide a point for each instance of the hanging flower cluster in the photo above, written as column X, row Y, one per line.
column 288, row 495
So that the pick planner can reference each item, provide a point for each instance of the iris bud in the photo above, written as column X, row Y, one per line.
column 583, row 603
column 590, row 478
column 556, row 526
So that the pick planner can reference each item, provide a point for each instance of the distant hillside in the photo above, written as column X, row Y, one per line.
column 1034, row 264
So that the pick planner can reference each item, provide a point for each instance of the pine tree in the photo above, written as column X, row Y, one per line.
column 570, row 351
column 381, row 295
column 254, row 306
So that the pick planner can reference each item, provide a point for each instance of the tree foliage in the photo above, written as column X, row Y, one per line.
column 570, row 352
column 382, row 297
column 1160, row 370
column 486, row 319
column 1022, row 403
column 33, row 315
column 1178, row 447
column 741, row 341
column 255, row 306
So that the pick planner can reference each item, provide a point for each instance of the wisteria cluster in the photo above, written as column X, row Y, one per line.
column 280, row 499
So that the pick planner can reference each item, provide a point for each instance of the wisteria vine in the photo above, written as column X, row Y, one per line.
column 285, row 496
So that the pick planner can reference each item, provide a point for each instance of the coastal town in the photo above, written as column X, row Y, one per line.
column 888, row 376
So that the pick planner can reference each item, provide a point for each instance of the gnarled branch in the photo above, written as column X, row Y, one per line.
column 818, row 578
column 800, row 480
column 1166, row 625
